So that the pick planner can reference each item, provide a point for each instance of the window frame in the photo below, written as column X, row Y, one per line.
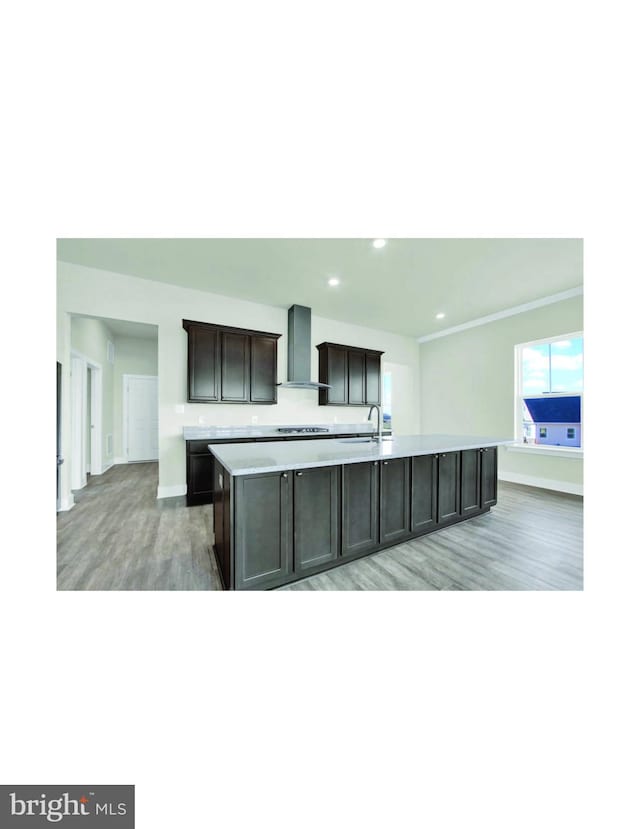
column 519, row 395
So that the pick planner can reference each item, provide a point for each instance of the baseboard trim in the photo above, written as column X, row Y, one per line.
column 541, row 483
column 107, row 466
column 118, row 461
column 66, row 503
column 172, row 491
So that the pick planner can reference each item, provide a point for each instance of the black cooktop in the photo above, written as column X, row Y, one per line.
column 298, row 429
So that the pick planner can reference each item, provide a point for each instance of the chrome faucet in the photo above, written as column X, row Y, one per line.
column 377, row 408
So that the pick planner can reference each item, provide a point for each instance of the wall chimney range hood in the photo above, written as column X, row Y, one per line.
column 299, row 351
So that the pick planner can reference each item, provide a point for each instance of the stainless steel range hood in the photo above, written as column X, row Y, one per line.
column 299, row 351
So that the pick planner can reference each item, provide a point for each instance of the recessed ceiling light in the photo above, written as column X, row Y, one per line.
column 334, row 281
column 440, row 316
column 379, row 243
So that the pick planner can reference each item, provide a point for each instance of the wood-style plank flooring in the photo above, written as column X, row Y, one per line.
column 120, row 537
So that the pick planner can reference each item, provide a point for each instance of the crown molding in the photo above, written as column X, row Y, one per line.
column 507, row 312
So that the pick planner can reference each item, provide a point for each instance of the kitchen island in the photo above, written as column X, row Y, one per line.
column 284, row 511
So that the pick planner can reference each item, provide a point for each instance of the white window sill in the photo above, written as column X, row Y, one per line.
column 555, row 451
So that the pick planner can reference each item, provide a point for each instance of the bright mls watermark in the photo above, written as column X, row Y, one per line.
column 81, row 806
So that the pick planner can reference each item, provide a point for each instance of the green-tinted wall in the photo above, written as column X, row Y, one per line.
column 468, row 386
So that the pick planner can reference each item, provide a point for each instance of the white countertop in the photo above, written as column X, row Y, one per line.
column 269, row 430
column 252, row 458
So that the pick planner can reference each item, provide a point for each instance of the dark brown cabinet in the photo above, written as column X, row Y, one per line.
column 200, row 470
column 332, row 369
column 222, row 524
column 287, row 524
column 234, row 367
column 354, row 375
column 204, row 364
column 357, row 378
column 470, row 480
column 263, row 531
column 373, row 392
column 230, row 365
column 395, row 500
column 274, row 528
column 488, row 477
column 478, row 479
column 448, row 486
column 424, row 493
column 316, row 516
column 264, row 375
column 360, row 514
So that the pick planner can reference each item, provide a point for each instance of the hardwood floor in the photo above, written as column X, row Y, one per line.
column 120, row 537
column 531, row 540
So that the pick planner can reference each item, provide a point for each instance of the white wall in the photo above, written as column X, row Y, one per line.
column 468, row 387
column 90, row 337
column 90, row 291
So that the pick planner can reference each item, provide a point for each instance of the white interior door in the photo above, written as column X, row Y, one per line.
column 141, row 417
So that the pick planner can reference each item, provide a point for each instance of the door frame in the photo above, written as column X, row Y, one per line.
column 125, row 412
column 79, row 365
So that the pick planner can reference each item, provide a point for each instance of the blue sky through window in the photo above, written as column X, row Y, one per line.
column 552, row 367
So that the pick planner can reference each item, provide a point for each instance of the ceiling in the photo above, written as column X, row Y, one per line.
column 122, row 328
column 400, row 287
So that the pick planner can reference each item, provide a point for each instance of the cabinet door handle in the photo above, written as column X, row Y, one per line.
column 385, row 463
column 284, row 474
column 442, row 456
column 298, row 474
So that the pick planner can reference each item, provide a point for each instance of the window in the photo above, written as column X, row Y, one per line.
column 549, row 391
column 386, row 400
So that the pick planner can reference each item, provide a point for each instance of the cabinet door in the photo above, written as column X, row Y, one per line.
column 263, row 530
column 316, row 516
column 424, row 492
column 448, row 486
column 488, row 477
column 470, row 481
column 336, row 374
column 372, row 379
column 204, row 357
column 356, row 378
column 234, row 368
column 394, row 499
column 264, row 369
column 199, row 478
column 359, row 507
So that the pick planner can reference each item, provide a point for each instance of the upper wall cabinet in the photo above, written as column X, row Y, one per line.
column 353, row 374
column 231, row 365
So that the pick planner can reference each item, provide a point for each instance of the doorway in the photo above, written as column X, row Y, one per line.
column 86, row 419
column 140, row 417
